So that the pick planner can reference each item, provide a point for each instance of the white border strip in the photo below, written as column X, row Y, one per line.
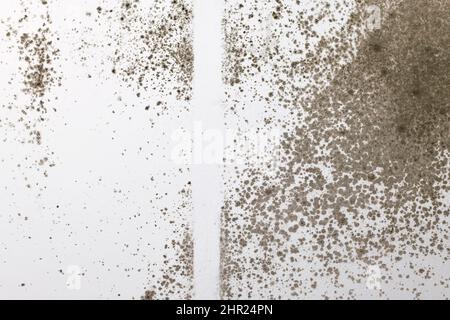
column 207, row 181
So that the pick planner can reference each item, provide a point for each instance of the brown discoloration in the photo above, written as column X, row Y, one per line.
column 364, row 171
column 150, row 54
column 159, row 47
column 38, row 66
column 177, row 269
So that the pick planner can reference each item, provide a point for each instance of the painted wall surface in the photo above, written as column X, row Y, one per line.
column 263, row 149
column 355, row 200
column 91, row 204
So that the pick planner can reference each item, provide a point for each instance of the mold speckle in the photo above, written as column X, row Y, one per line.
column 159, row 47
column 33, row 39
column 177, row 269
column 362, row 183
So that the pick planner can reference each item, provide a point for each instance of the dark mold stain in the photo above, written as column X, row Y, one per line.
column 364, row 174
column 38, row 56
column 177, row 269
column 159, row 47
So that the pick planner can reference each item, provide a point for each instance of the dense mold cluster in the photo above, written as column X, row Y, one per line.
column 33, row 40
column 360, row 194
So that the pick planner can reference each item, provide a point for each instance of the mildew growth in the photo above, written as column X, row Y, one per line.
column 33, row 39
column 363, row 181
column 123, row 62
column 149, row 50
column 158, row 46
column 177, row 269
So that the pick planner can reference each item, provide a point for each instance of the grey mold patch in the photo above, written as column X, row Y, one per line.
column 152, row 56
column 126, row 73
column 33, row 38
column 359, row 204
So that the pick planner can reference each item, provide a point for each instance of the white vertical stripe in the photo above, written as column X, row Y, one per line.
column 206, row 177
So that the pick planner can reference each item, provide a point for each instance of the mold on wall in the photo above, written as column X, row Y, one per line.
column 346, row 197
column 358, row 204
column 91, row 204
